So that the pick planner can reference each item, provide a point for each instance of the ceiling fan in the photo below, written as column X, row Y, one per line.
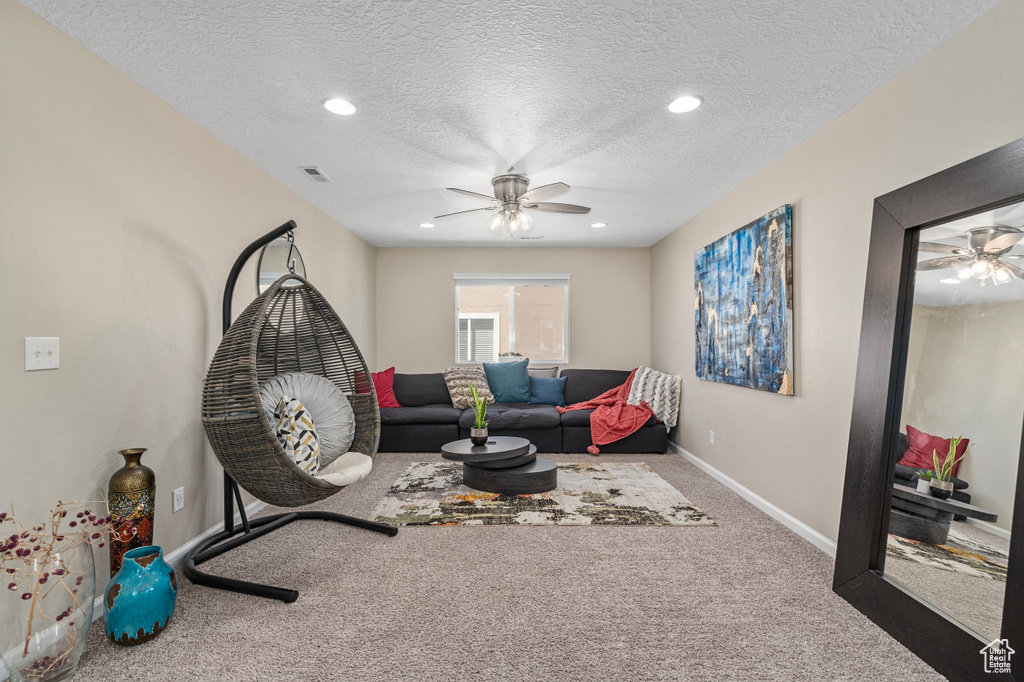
column 984, row 256
column 512, row 197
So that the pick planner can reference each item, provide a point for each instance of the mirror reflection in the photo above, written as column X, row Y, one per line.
column 962, row 414
column 277, row 259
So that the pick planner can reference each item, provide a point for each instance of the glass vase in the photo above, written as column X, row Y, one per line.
column 45, row 613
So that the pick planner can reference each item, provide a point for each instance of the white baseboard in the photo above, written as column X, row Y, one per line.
column 789, row 521
column 991, row 528
column 176, row 556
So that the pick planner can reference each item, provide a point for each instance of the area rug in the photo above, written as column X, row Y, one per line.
column 590, row 494
column 960, row 554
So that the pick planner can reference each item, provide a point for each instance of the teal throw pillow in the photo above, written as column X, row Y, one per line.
column 509, row 381
column 547, row 391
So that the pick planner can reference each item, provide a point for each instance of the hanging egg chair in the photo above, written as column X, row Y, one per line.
column 288, row 328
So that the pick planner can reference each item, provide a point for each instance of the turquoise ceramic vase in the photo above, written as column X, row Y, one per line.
column 140, row 599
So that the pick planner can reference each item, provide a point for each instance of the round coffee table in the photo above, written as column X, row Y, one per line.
column 505, row 465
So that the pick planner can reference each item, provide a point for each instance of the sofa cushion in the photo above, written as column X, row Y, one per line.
column 585, row 384
column 459, row 379
column 582, row 418
column 923, row 447
column 383, row 386
column 428, row 414
column 550, row 391
column 515, row 416
column 542, row 372
column 509, row 381
column 417, row 390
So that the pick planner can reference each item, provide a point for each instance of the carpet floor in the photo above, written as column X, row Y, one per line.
column 978, row 602
column 743, row 600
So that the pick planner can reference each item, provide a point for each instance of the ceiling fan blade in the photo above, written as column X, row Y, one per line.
column 558, row 208
column 1004, row 242
column 1014, row 256
column 485, row 208
column 939, row 263
column 934, row 247
column 1017, row 272
column 544, row 192
column 472, row 194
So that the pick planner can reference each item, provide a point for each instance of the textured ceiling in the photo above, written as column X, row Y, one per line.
column 450, row 93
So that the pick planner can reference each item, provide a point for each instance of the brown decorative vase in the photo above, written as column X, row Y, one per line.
column 132, row 499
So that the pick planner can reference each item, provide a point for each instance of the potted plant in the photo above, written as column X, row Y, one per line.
column 941, row 486
column 478, row 434
column 509, row 356
column 924, row 480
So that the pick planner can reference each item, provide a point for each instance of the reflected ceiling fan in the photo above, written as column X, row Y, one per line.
column 512, row 197
column 985, row 255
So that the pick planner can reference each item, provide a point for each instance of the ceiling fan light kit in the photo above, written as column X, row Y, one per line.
column 512, row 197
column 984, row 257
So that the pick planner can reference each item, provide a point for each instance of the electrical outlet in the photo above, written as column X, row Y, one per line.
column 178, row 502
column 712, row 438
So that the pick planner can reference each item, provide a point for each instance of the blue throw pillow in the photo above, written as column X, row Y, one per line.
column 547, row 391
column 509, row 381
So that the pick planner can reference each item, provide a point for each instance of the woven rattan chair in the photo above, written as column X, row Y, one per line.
column 288, row 328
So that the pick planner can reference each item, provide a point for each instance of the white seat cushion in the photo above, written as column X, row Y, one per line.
column 347, row 469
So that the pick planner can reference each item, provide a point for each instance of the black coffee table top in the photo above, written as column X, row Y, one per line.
column 498, row 447
column 950, row 505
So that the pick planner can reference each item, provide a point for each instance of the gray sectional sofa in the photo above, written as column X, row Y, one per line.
column 427, row 419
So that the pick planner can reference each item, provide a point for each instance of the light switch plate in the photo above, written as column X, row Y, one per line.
column 42, row 352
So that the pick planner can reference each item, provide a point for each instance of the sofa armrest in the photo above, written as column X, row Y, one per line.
column 906, row 475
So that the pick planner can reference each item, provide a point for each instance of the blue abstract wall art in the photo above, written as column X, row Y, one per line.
column 743, row 307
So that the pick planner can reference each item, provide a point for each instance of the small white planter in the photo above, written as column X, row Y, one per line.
column 923, row 484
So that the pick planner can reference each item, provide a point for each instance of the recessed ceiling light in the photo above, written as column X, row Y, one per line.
column 951, row 280
column 685, row 103
column 339, row 106
column 599, row 225
column 426, row 224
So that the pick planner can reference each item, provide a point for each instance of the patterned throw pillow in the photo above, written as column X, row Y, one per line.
column 297, row 435
column 458, row 380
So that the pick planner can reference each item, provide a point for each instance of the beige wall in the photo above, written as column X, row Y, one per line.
column 968, row 382
column 120, row 220
column 963, row 99
column 609, row 302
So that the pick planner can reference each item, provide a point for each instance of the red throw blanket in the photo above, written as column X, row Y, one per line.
column 613, row 419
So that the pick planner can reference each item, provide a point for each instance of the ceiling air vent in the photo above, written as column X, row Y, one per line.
column 315, row 173
column 540, row 236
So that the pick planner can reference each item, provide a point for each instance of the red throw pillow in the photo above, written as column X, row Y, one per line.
column 383, row 384
column 920, row 446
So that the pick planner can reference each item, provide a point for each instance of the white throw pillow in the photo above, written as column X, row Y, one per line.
column 327, row 405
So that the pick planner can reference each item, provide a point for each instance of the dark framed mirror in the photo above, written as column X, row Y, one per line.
column 939, row 345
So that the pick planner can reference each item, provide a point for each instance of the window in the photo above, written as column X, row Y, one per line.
column 478, row 337
column 524, row 314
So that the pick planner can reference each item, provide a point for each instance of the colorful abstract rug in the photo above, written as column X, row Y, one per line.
column 960, row 554
column 432, row 494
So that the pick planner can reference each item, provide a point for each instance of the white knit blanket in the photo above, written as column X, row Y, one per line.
column 660, row 391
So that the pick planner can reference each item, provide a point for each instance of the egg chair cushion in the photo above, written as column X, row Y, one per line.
column 347, row 469
column 328, row 407
column 294, row 429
